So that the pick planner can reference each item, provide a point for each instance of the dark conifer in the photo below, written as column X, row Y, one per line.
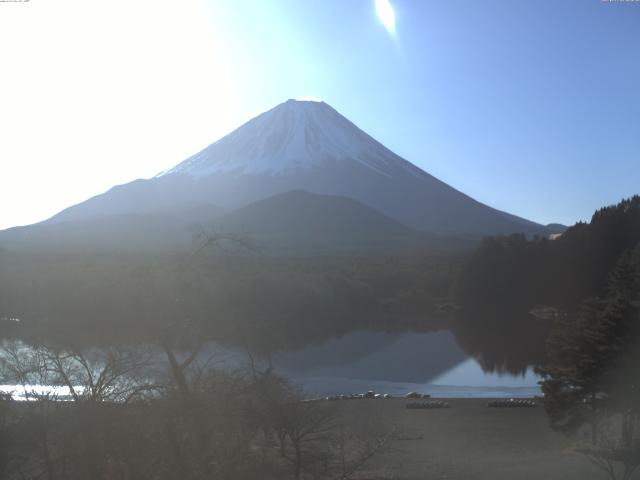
column 592, row 357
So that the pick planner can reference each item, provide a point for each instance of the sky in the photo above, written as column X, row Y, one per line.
column 532, row 107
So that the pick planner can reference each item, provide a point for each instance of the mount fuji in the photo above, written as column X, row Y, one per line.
column 298, row 146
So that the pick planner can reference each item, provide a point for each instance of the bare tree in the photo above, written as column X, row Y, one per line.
column 354, row 447
column 5, row 435
column 73, row 439
column 614, row 451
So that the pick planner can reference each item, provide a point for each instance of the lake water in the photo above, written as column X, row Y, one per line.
column 397, row 363
column 394, row 363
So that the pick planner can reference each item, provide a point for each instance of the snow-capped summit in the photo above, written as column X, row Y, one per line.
column 303, row 145
column 294, row 136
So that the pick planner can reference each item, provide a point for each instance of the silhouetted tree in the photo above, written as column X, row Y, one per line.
column 592, row 368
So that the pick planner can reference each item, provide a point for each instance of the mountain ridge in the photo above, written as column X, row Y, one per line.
column 291, row 223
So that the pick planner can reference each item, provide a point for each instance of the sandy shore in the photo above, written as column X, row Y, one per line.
column 471, row 441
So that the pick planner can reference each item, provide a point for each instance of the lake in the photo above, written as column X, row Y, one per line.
column 394, row 363
column 397, row 363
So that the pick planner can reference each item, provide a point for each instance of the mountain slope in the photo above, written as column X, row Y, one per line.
column 308, row 146
column 294, row 137
column 301, row 220
column 291, row 223
column 302, row 213
column 130, row 232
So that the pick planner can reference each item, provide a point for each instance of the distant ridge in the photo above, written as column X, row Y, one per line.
column 309, row 214
column 303, row 220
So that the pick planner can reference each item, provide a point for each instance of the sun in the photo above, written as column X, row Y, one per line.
column 385, row 13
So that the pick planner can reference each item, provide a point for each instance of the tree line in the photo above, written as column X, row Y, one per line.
column 582, row 291
column 265, row 303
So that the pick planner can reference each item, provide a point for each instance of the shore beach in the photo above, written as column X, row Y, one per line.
column 470, row 440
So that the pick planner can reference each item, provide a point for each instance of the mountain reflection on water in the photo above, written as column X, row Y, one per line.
column 396, row 363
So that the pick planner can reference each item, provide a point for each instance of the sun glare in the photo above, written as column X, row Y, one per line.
column 385, row 13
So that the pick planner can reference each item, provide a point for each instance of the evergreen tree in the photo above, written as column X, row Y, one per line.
column 592, row 357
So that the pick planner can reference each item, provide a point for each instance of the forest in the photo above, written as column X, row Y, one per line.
column 511, row 289
column 577, row 300
column 263, row 303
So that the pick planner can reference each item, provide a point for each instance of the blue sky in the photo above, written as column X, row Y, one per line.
column 529, row 106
